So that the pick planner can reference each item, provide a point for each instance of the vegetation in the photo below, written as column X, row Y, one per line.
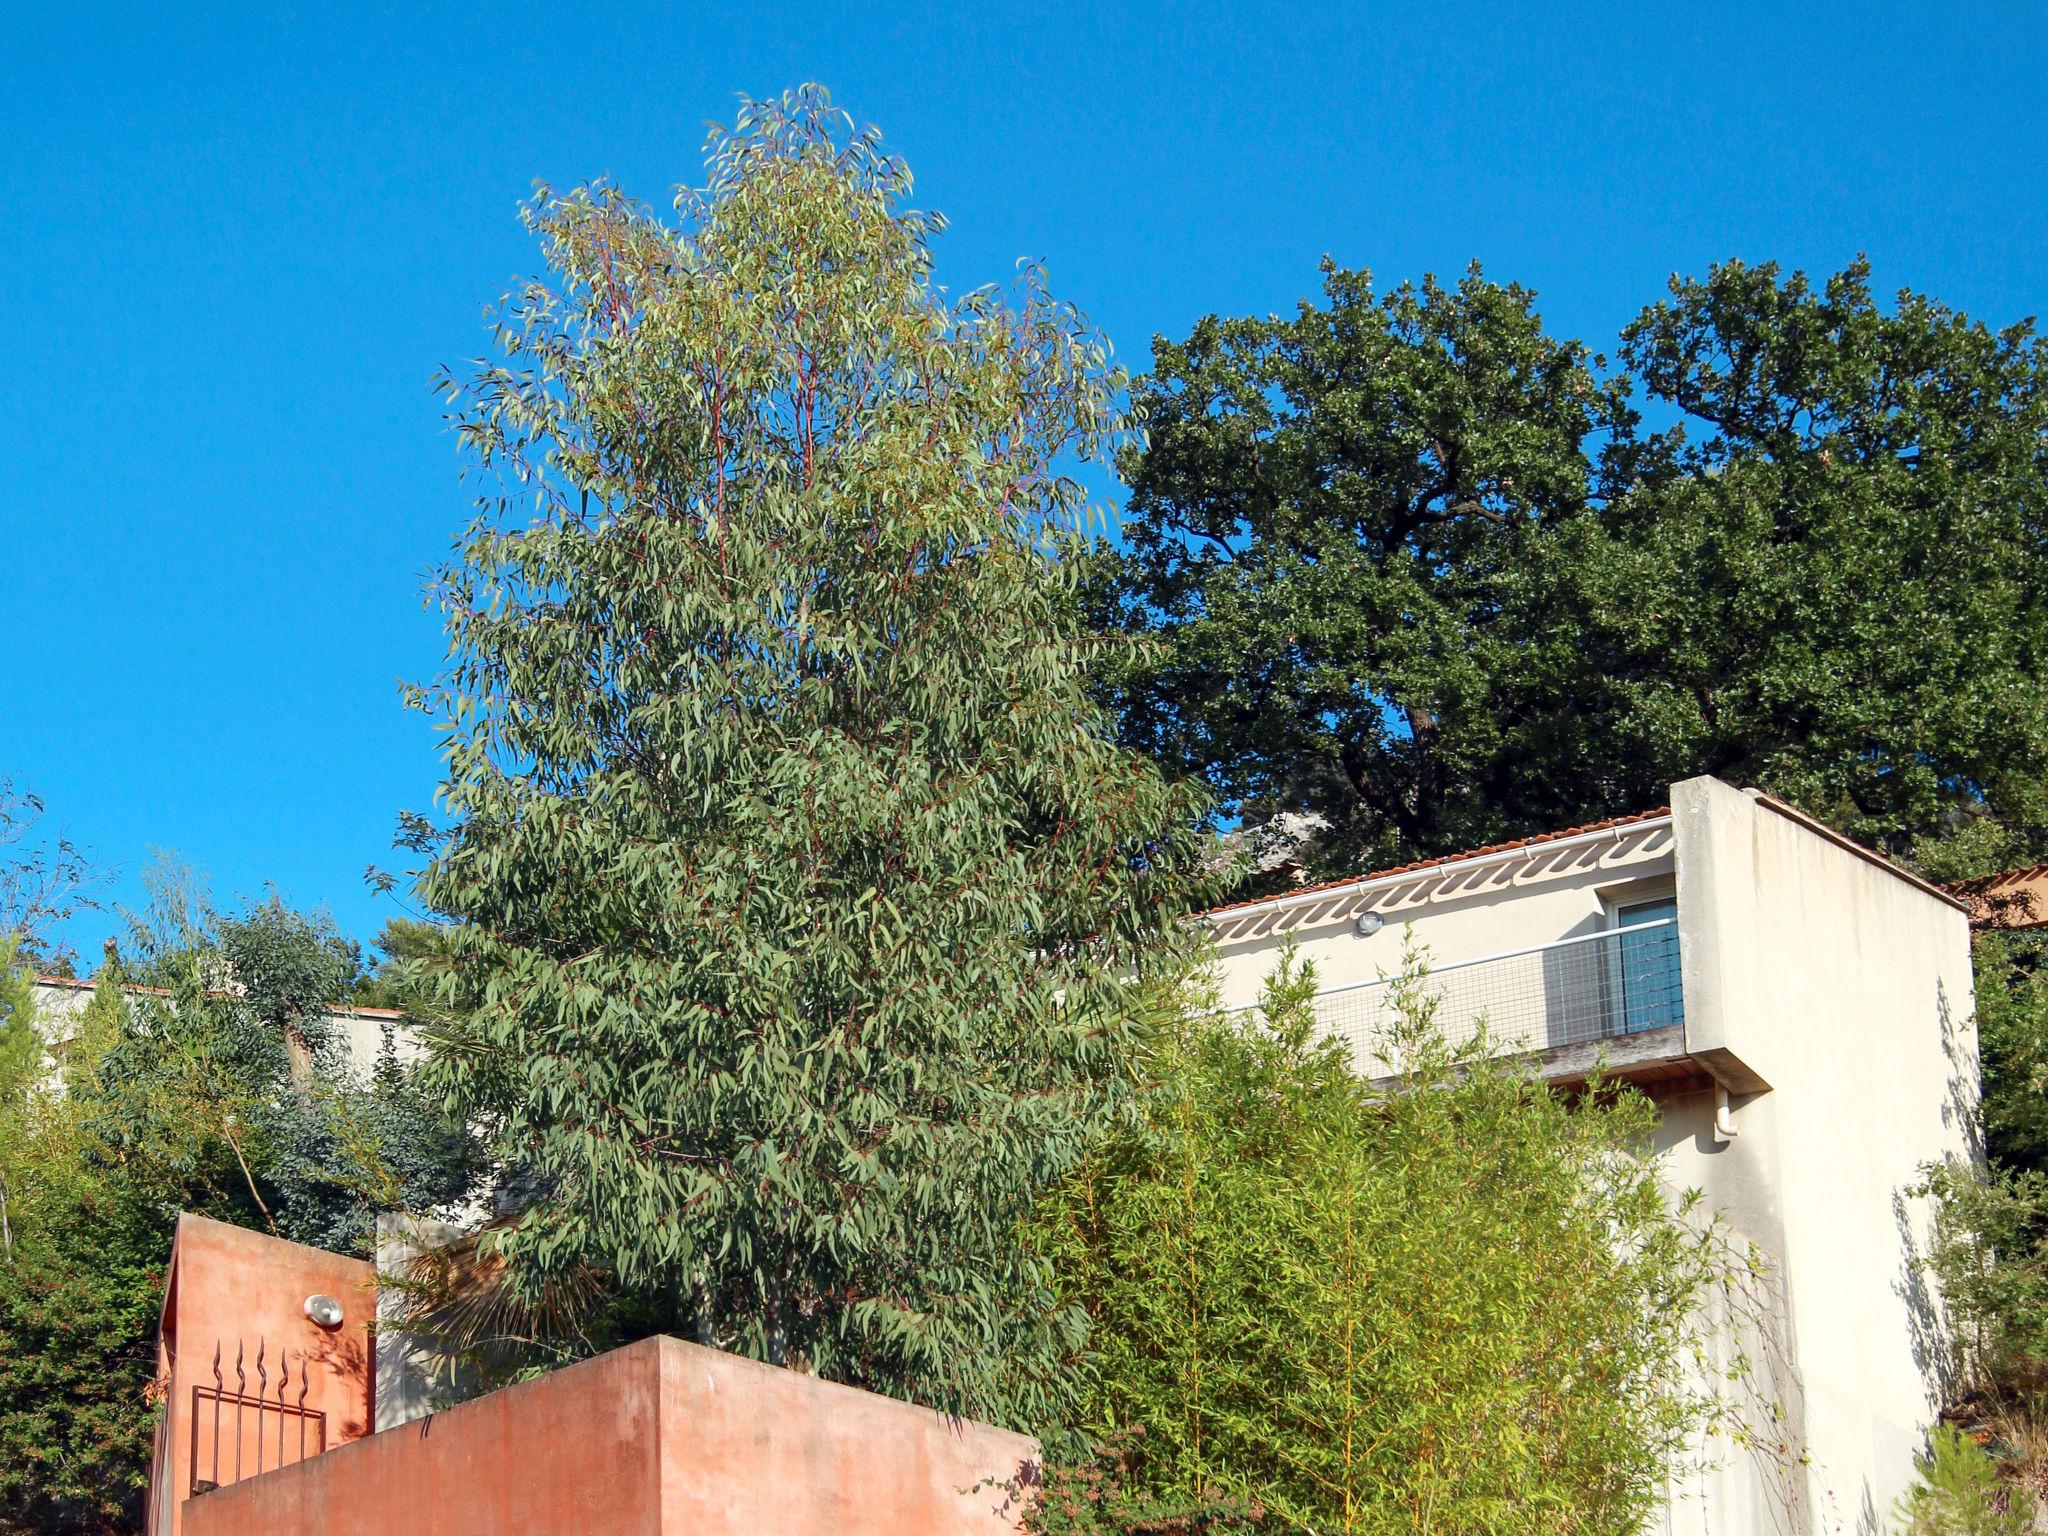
column 1990, row 1243
column 798, row 886
column 824, row 801
column 1959, row 1493
column 1099, row 1487
column 408, row 950
column 44, row 879
column 224, row 1091
column 81, row 1279
column 1408, row 564
column 1462, row 1307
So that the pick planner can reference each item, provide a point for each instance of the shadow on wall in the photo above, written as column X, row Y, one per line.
column 1934, row 1350
column 1933, row 1343
column 1750, row 1466
column 1960, row 1097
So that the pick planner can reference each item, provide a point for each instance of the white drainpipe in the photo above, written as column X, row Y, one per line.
column 1725, row 1129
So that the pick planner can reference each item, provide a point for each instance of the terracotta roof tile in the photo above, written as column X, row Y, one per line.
column 2012, row 898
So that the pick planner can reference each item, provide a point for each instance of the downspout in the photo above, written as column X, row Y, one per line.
column 1725, row 1129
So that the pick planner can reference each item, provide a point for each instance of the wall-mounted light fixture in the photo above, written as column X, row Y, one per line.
column 1369, row 923
column 324, row 1310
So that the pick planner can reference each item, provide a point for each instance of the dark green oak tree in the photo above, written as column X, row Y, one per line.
column 1411, row 564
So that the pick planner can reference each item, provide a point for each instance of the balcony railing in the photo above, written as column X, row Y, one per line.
column 1598, row 986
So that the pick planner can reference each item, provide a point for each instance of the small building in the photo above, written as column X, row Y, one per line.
column 1798, row 1008
column 361, row 1033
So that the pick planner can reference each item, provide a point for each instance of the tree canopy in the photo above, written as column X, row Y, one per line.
column 797, row 882
column 1407, row 562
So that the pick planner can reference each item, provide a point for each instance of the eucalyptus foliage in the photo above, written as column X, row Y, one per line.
column 45, row 878
column 1460, row 1306
column 800, row 888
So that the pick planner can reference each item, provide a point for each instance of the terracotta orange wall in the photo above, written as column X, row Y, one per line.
column 230, row 1285
column 659, row 1439
column 749, row 1450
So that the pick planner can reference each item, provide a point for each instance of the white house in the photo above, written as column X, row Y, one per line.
column 60, row 1000
column 1798, row 1008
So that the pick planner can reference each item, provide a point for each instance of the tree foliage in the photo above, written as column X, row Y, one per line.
column 1465, row 1306
column 797, row 882
column 409, row 950
column 81, row 1277
column 1990, row 1242
column 222, row 1089
column 1410, row 564
column 1959, row 1493
column 44, row 878
column 1338, row 531
column 233, row 1084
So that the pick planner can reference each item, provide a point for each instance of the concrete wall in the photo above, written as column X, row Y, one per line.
column 230, row 1288
column 660, row 1437
column 1845, row 986
column 412, row 1373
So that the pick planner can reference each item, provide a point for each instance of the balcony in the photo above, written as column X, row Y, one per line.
column 1614, row 996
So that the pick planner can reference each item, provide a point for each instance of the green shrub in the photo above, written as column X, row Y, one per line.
column 1990, row 1254
column 1461, row 1306
column 1959, row 1493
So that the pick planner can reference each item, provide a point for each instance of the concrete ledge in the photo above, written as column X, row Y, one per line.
column 1620, row 1054
column 1646, row 1057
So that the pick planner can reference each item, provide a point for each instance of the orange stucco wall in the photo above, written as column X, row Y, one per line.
column 749, row 1450
column 230, row 1287
column 658, row 1439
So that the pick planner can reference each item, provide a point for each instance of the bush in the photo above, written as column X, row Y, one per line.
column 1465, row 1304
column 1960, row 1493
column 1990, row 1254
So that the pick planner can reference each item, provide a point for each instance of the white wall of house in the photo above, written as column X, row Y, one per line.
column 1831, row 992
column 1845, row 986
column 60, row 1001
column 1533, row 895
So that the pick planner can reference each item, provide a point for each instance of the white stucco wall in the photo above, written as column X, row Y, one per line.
column 1846, row 986
column 59, row 1002
column 1526, row 897
column 1835, row 989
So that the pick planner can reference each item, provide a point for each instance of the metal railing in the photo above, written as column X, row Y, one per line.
column 1597, row 986
column 239, row 1433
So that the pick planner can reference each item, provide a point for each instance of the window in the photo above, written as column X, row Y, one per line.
column 1647, row 958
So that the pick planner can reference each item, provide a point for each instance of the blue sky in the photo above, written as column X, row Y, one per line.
column 237, row 243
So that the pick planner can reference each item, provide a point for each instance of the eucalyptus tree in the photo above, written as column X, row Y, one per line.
column 802, row 894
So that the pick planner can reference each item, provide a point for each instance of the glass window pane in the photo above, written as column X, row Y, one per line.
column 1650, row 996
